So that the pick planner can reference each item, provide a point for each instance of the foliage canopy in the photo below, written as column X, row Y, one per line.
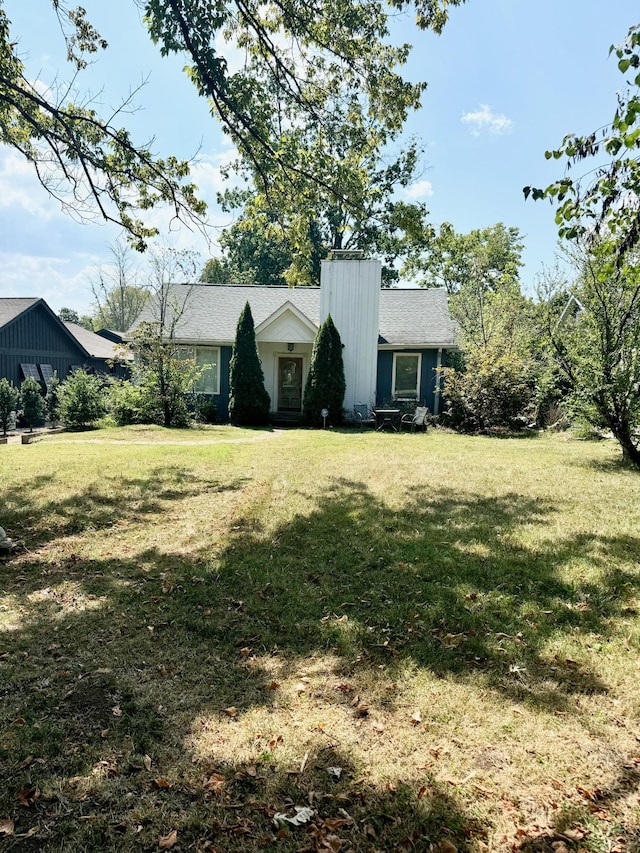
column 297, row 55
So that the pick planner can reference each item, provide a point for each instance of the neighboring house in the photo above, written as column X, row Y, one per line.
column 35, row 342
column 394, row 339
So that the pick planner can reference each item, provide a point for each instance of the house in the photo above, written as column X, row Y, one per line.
column 393, row 339
column 35, row 342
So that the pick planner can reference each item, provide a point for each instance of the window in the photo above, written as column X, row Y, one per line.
column 46, row 372
column 30, row 371
column 406, row 374
column 207, row 359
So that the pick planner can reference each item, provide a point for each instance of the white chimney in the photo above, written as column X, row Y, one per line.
column 350, row 292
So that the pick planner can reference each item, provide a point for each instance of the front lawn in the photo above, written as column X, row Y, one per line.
column 430, row 641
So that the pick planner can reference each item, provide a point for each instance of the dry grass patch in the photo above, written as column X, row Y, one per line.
column 428, row 641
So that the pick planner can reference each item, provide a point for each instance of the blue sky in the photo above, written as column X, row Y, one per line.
column 507, row 80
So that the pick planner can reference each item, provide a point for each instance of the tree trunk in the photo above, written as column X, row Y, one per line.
column 630, row 450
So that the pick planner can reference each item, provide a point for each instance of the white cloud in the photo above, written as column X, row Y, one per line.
column 484, row 120
column 59, row 281
column 421, row 189
column 19, row 187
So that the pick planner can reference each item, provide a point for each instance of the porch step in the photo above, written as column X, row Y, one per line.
column 286, row 419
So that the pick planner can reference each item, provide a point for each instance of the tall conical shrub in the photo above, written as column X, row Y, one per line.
column 326, row 384
column 248, row 400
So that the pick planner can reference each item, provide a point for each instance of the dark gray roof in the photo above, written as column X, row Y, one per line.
column 210, row 311
column 95, row 345
column 415, row 317
column 12, row 307
column 408, row 317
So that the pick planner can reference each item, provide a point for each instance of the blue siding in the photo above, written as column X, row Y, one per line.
column 35, row 337
column 427, row 376
column 222, row 399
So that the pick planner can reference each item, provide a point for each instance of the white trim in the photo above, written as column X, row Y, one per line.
column 406, row 348
column 288, row 306
column 418, row 355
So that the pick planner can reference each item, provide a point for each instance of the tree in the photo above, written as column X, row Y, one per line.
column 82, row 400
column 94, row 167
column 599, row 214
column 256, row 251
column 219, row 271
column 119, row 299
column 603, row 205
column 32, row 401
column 9, row 403
column 597, row 344
column 299, row 221
column 325, row 386
column 87, row 163
column 70, row 315
column 248, row 400
column 162, row 367
column 486, row 256
column 52, row 400
column 493, row 383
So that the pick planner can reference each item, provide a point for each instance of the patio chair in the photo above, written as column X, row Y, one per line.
column 416, row 419
column 363, row 415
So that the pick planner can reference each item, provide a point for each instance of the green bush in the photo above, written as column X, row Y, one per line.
column 9, row 403
column 248, row 400
column 325, row 386
column 33, row 405
column 52, row 400
column 205, row 410
column 129, row 403
column 82, row 399
column 494, row 391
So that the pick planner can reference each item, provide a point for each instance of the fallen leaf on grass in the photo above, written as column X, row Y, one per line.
column 575, row 834
column 334, row 823
column 147, row 762
column 161, row 782
column 117, row 711
column 7, row 827
column 416, row 718
column 231, row 711
column 423, row 790
column 28, row 796
column 166, row 842
column 274, row 685
column 245, row 652
column 593, row 796
column 444, row 846
column 215, row 783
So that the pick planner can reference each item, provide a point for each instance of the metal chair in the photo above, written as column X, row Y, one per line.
column 416, row 419
column 363, row 415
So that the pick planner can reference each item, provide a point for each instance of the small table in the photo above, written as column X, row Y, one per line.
column 387, row 419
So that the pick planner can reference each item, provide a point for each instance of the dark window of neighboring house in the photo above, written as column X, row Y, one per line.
column 46, row 372
column 30, row 371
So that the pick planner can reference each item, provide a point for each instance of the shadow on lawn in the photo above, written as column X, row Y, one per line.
column 151, row 642
column 98, row 505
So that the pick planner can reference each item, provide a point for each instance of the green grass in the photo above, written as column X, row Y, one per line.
column 196, row 626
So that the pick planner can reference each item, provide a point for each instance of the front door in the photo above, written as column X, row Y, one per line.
column 289, row 384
